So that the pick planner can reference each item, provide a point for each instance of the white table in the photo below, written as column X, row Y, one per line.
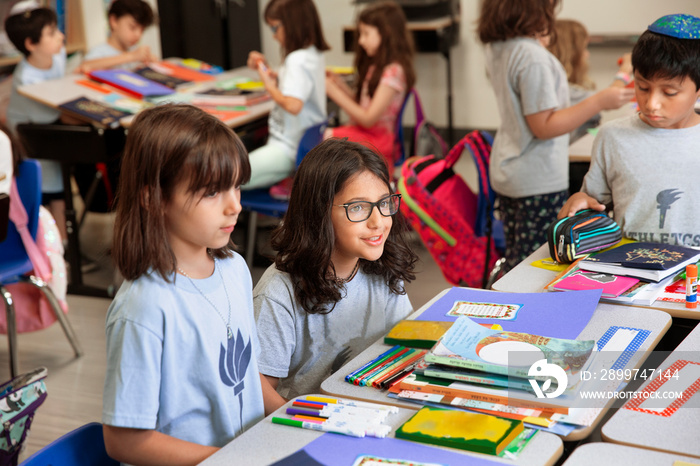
column 525, row 278
column 58, row 91
column 608, row 454
column 677, row 433
column 266, row 443
column 605, row 316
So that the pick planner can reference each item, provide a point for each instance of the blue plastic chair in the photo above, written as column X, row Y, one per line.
column 15, row 263
column 259, row 201
column 83, row 446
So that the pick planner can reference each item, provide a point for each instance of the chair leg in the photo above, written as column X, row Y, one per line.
column 11, row 330
column 89, row 196
column 250, row 240
column 60, row 316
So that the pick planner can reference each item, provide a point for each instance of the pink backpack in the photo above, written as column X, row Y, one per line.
column 46, row 254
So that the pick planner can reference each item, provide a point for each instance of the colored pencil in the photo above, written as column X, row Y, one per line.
column 410, row 362
column 366, row 366
column 379, row 367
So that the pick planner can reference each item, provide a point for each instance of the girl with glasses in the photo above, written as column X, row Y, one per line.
column 298, row 88
column 337, row 284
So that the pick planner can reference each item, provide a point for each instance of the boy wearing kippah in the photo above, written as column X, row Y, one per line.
column 646, row 165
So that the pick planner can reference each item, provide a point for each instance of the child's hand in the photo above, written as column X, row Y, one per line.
column 625, row 63
column 268, row 78
column 255, row 57
column 614, row 97
column 577, row 202
column 142, row 54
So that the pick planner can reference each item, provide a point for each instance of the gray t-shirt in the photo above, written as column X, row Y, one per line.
column 527, row 79
column 651, row 176
column 304, row 349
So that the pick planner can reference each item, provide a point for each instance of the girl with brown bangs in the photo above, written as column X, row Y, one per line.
column 337, row 284
column 384, row 62
column 529, row 168
column 298, row 87
column 173, row 392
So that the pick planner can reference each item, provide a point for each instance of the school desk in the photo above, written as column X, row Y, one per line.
column 605, row 316
column 676, row 427
column 55, row 92
column 608, row 454
column 525, row 278
column 265, row 443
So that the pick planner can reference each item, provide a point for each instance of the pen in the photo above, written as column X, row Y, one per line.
column 353, row 432
column 340, row 401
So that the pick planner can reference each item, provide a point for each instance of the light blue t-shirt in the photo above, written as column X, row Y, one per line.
column 304, row 349
column 103, row 50
column 22, row 109
column 170, row 366
column 302, row 76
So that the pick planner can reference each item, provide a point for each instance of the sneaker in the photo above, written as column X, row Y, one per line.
column 281, row 190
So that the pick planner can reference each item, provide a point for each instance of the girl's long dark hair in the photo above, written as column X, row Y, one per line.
column 506, row 19
column 301, row 23
column 396, row 46
column 305, row 239
column 167, row 145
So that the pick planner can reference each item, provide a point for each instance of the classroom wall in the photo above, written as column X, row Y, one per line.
column 474, row 103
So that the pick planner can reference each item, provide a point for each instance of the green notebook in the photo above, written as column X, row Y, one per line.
column 481, row 433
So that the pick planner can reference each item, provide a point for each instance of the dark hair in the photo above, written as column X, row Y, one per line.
column 506, row 19
column 301, row 23
column 167, row 145
column 396, row 46
column 305, row 240
column 660, row 56
column 138, row 9
column 28, row 25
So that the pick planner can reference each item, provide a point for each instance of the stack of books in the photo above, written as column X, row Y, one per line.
column 631, row 273
column 496, row 367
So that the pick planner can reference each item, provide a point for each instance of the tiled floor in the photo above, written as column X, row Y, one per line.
column 75, row 385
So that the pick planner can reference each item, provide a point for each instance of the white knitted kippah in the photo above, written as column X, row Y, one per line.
column 23, row 6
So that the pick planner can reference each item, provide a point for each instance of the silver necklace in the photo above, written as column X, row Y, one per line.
column 227, row 321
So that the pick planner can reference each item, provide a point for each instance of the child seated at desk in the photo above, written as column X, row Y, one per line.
column 646, row 164
column 337, row 284
column 34, row 32
column 127, row 21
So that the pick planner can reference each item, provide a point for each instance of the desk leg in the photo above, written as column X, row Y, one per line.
column 76, row 285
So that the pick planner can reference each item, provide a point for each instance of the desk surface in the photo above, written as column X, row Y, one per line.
column 255, row 446
column 605, row 316
column 525, row 278
column 57, row 91
column 678, row 433
column 604, row 454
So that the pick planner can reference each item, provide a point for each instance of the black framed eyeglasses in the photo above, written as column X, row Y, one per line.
column 359, row 211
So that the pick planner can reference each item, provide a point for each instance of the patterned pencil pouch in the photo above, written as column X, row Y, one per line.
column 588, row 231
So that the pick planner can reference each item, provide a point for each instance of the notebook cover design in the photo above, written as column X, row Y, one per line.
column 612, row 285
column 169, row 81
column 131, row 82
column 652, row 256
column 477, row 432
column 94, row 111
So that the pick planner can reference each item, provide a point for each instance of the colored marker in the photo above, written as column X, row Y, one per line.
column 691, row 286
column 388, row 366
column 328, row 413
column 353, row 432
column 375, row 430
column 362, row 379
column 350, row 410
column 340, row 401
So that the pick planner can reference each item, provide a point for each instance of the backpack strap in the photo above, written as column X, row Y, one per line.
column 420, row 116
column 18, row 216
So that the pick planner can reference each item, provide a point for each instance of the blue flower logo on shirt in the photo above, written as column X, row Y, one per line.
column 233, row 363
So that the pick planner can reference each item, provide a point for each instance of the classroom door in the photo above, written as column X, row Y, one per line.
column 220, row 32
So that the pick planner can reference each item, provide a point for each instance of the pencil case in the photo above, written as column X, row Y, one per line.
column 586, row 232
